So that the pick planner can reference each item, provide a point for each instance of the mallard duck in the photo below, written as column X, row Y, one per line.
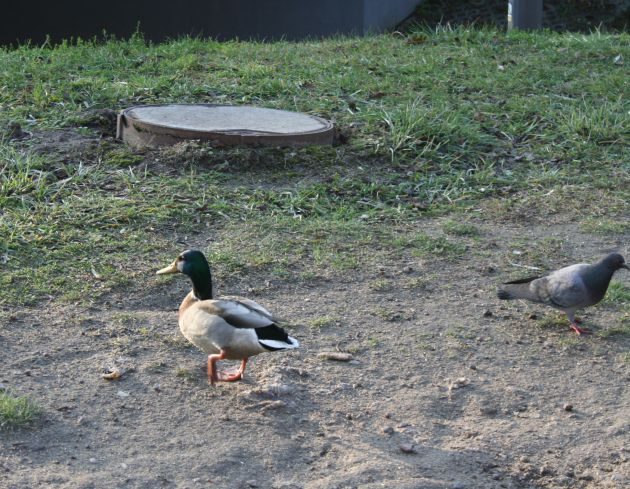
column 225, row 328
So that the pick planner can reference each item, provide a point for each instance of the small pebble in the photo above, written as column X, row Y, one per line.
column 585, row 476
column 488, row 409
column 568, row 407
column 252, row 483
column 271, row 405
column 2, row 387
column 458, row 485
column 388, row 430
column 92, row 460
column 407, row 448
column 618, row 479
column 487, row 313
column 277, row 390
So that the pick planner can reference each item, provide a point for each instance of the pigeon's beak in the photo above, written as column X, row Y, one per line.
column 625, row 266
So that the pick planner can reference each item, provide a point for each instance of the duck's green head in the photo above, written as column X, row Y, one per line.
column 190, row 262
column 195, row 265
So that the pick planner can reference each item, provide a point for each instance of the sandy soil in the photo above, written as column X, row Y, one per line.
column 448, row 387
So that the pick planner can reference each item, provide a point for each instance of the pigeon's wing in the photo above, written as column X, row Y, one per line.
column 565, row 288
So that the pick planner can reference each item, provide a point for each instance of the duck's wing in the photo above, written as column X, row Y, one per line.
column 252, row 323
column 240, row 314
column 248, row 303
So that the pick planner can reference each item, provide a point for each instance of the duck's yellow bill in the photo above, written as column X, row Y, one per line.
column 172, row 268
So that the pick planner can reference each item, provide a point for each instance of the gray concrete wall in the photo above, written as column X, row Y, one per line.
column 383, row 14
column 221, row 19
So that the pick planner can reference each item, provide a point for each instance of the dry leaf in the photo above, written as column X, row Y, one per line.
column 335, row 355
column 114, row 374
column 96, row 275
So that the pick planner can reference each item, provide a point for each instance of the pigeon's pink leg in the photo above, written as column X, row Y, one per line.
column 580, row 331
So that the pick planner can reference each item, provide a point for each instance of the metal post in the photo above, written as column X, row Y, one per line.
column 524, row 14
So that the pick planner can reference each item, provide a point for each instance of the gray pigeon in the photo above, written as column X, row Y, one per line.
column 568, row 289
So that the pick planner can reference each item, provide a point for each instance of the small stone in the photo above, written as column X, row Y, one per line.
column 14, row 131
column 487, row 313
column 272, row 405
column 586, row 476
column 544, row 470
column 336, row 356
column 388, row 430
column 252, row 483
column 277, row 390
column 458, row 485
column 123, row 465
column 458, row 383
column 407, row 448
column 2, row 387
column 157, row 388
column 472, row 367
column 122, row 394
column 488, row 409
column 568, row 407
column 92, row 460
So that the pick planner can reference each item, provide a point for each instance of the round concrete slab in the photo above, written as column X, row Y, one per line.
column 226, row 125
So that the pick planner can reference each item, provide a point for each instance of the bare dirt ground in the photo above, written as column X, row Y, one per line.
column 448, row 387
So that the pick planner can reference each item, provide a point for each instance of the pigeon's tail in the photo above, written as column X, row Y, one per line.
column 520, row 289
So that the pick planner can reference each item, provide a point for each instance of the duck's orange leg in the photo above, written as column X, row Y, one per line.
column 216, row 376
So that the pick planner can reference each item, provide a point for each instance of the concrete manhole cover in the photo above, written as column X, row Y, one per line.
column 227, row 125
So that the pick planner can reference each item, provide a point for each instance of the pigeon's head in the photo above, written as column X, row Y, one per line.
column 614, row 262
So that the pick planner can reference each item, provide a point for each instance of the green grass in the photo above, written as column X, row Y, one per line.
column 606, row 227
column 16, row 411
column 620, row 330
column 457, row 228
column 618, row 295
column 185, row 374
column 322, row 322
column 440, row 123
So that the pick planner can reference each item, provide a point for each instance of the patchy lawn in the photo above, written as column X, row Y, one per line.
column 467, row 157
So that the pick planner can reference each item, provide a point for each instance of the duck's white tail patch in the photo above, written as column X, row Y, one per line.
column 280, row 345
